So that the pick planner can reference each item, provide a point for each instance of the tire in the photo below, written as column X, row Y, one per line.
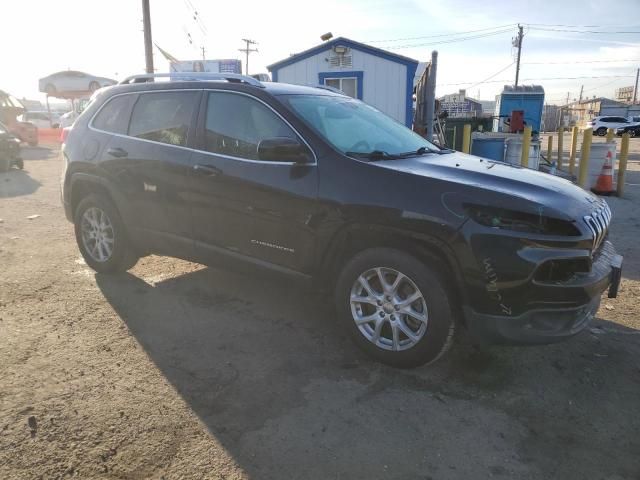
column 121, row 256
column 601, row 132
column 93, row 86
column 20, row 164
column 633, row 133
column 432, row 333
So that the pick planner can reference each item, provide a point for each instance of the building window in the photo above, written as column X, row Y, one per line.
column 347, row 85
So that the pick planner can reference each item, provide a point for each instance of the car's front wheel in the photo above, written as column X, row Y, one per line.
column 396, row 308
column 101, row 235
column 633, row 133
column 601, row 132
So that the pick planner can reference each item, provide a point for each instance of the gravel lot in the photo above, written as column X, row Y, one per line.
column 175, row 370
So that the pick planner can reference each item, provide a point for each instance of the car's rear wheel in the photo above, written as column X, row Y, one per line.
column 101, row 235
column 395, row 307
column 601, row 132
column 633, row 133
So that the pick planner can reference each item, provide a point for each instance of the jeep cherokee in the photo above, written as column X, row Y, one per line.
column 411, row 240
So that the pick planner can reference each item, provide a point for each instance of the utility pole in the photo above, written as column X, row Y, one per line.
column 203, row 55
column 247, row 50
column 635, row 89
column 430, row 95
column 518, row 43
column 581, row 90
column 148, row 45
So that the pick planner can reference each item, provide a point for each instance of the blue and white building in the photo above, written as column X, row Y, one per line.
column 380, row 78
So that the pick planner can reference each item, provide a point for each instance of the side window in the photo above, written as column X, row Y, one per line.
column 114, row 116
column 236, row 124
column 163, row 117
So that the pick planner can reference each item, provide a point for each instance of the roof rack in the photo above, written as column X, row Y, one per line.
column 327, row 87
column 193, row 76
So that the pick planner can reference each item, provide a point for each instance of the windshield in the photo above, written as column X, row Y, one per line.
column 355, row 127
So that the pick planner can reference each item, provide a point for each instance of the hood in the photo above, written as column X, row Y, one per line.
column 494, row 183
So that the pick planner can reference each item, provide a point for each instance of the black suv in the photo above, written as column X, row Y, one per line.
column 411, row 240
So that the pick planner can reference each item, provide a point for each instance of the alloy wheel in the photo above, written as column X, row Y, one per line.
column 389, row 309
column 97, row 233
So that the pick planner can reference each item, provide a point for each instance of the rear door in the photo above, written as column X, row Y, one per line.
column 153, row 161
column 241, row 204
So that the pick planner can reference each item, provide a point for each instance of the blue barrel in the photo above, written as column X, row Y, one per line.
column 490, row 147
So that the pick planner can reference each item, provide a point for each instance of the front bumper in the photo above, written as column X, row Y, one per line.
column 549, row 325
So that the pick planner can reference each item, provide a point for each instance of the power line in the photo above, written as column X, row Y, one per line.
column 581, row 26
column 488, row 79
column 580, row 31
column 452, row 40
column 441, row 34
column 584, row 61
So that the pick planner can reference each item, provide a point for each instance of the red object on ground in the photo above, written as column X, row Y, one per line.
column 49, row 135
column 604, row 184
column 517, row 121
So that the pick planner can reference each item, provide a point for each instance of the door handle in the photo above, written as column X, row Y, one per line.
column 209, row 170
column 117, row 152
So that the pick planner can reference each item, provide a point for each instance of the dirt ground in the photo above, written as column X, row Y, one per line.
column 179, row 371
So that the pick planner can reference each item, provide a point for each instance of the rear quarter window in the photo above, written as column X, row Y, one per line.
column 163, row 117
column 114, row 115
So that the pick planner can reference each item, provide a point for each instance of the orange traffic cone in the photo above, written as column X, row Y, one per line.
column 604, row 185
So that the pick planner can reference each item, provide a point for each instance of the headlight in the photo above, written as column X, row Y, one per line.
column 520, row 221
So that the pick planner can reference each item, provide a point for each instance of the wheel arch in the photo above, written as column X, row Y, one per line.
column 83, row 184
column 355, row 238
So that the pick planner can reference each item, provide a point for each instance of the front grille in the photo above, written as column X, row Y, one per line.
column 598, row 223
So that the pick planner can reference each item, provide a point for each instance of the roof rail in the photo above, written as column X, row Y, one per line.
column 193, row 76
column 327, row 87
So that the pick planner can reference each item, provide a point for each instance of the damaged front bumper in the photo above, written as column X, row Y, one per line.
column 549, row 324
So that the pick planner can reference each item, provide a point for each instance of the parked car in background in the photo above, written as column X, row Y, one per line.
column 41, row 119
column 72, row 81
column 633, row 130
column 9, row 150
column 601, row 124
column 410, row 240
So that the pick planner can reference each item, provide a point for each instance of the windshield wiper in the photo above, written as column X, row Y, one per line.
column 417, row 153
column 374, row 155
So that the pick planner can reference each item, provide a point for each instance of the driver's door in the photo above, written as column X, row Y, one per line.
column 241, row 204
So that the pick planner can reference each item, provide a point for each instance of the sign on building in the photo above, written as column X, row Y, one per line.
column 213, row 66
column 624, row 94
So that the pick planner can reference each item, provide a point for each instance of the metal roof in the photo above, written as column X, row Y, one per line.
column 523, row 89
column 394, row 57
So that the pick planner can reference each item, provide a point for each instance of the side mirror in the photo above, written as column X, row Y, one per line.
column 283, row 149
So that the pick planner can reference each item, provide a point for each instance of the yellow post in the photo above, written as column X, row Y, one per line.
column 466, row 138
column 574, row 149
column 549, row 147
column 526, row 143
column 610, row 134
column 622, row 163
column 560, row 147
column 585, row 152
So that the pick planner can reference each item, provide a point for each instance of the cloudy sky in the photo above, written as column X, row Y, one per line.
column 564, row 45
